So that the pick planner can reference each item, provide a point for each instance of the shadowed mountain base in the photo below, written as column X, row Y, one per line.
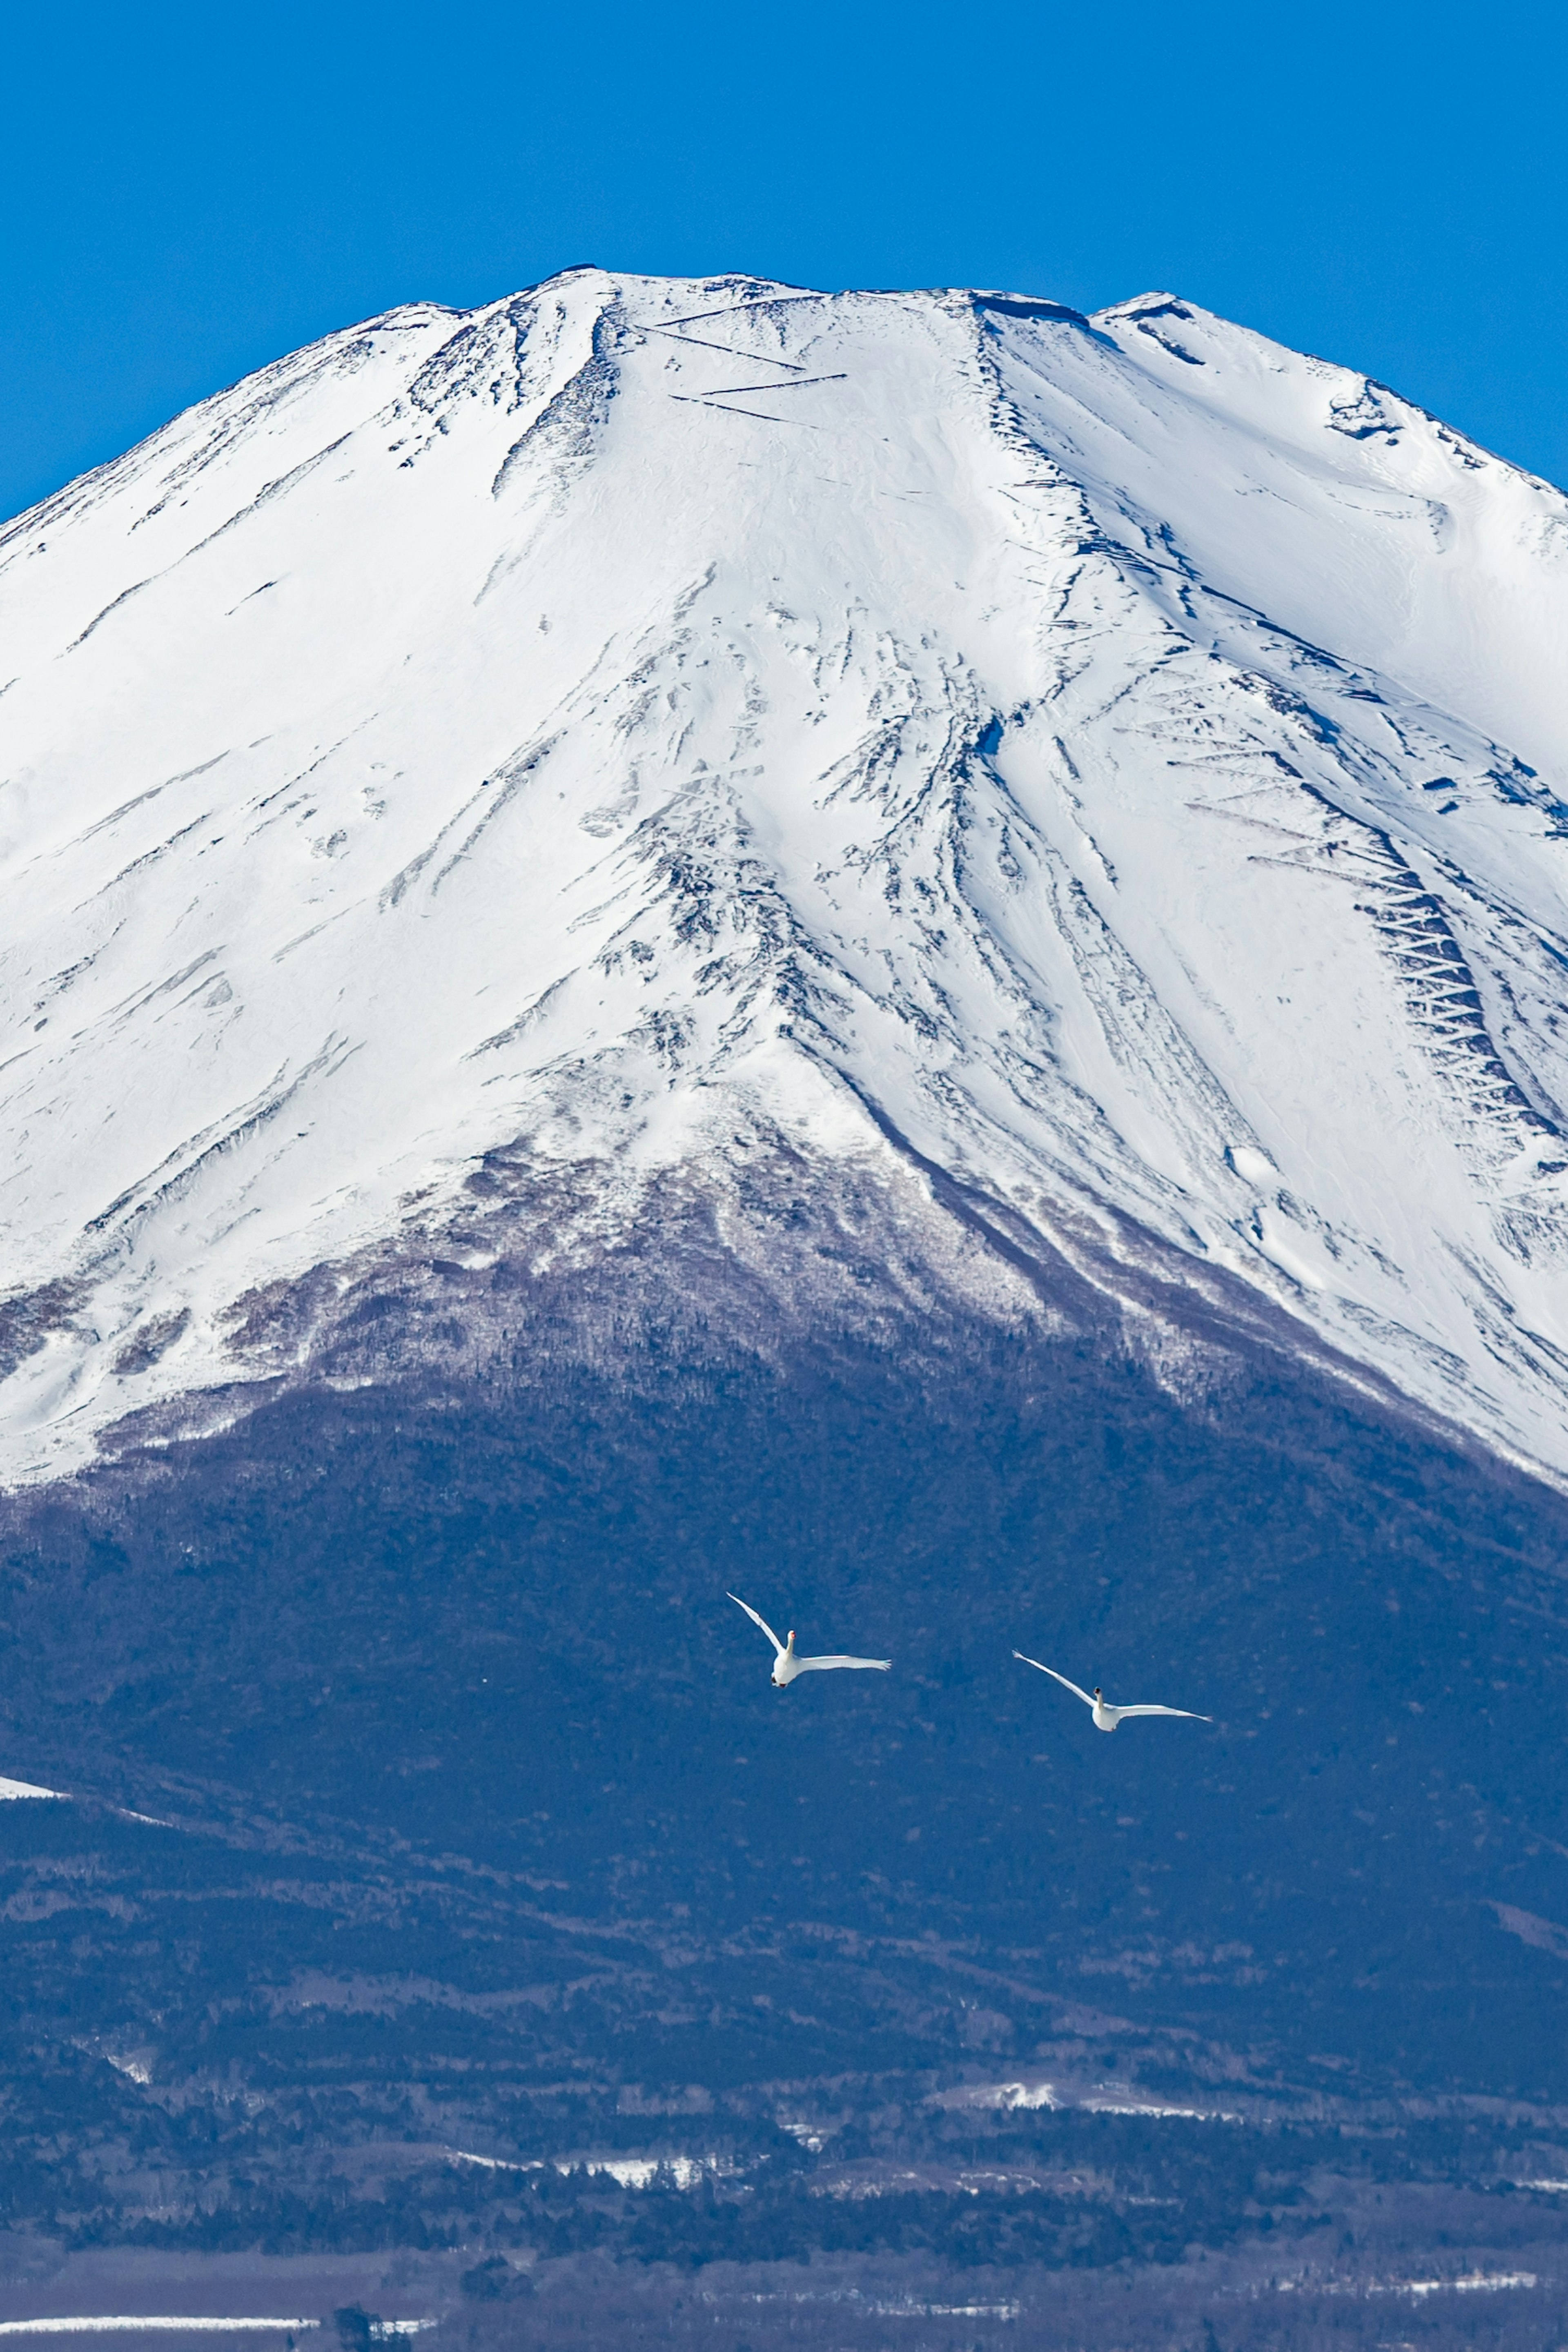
column 486, row 1873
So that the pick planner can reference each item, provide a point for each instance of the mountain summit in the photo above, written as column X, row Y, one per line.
column 1092, row 789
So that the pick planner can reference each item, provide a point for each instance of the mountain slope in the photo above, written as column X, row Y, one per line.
column 895, row 953
column 1111, row 766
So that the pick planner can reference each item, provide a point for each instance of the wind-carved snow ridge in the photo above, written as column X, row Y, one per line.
column 1079, row 791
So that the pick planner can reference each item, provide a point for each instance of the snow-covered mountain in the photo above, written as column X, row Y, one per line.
column 1116, row 764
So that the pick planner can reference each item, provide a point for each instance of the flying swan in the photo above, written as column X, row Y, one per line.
column 786, row 1665
column 1107, row 1717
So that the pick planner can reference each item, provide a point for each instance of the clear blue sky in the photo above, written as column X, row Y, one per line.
column 187, row 193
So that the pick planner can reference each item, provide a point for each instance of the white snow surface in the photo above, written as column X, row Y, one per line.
column 100, row 2324
column 1123, row 757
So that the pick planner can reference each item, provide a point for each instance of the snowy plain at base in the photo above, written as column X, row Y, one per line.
column 100, row 2324
column 1117, row 761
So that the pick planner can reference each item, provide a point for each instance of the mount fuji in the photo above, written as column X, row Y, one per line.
column 1095, row 787
column 900, row 953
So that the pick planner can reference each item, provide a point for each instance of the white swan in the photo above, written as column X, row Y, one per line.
column 1105, row 1716
column 786, row 1665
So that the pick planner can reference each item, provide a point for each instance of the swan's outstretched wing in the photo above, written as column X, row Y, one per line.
column 1163, row 1710
column 763, row 1622
column 812, row 1666
column 1054, row 1677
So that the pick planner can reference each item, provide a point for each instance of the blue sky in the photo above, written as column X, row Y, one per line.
column 187, row 193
